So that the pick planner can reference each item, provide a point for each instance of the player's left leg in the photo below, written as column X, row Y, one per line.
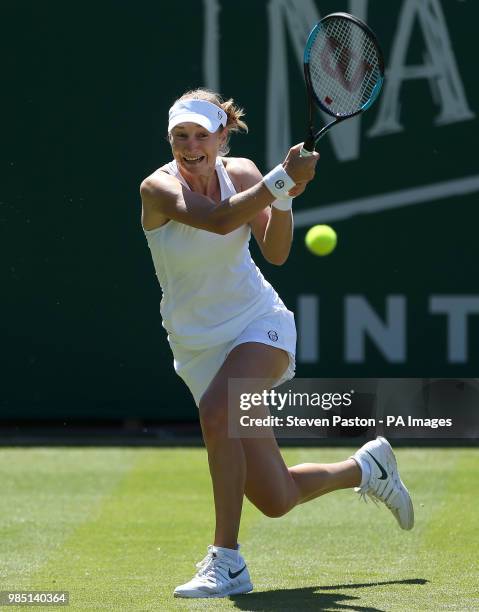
column 267, row 481
column 275, row 489
column 372, row 470
column 381, row 480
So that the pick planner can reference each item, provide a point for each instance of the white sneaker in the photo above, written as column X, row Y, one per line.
column 221, row 573
column 384, row 483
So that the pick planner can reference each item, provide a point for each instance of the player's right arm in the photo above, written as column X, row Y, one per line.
column 166, row 197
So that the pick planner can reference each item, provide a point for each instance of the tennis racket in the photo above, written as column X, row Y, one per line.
column 343, row 69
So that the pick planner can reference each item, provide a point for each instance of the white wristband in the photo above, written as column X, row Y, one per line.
column 279, row 182
column 283, row 204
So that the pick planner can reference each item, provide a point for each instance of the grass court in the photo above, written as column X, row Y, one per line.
column 120, row 528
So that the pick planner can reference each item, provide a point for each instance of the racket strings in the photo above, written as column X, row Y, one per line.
column 344, row 67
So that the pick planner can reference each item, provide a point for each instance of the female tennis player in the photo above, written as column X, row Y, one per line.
column 224, row 320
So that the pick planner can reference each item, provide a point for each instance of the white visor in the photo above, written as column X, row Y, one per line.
column 203, row 113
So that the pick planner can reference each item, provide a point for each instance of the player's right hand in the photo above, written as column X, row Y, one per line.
column 300, row 169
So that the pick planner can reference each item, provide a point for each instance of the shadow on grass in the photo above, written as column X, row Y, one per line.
column 312, row 598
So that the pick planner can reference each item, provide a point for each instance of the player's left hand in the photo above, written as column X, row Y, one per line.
column 297, row 190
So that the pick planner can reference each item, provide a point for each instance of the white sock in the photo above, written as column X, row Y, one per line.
column 232, row 553
column 365, row 470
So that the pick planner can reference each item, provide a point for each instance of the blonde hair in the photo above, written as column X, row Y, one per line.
column 233, row 112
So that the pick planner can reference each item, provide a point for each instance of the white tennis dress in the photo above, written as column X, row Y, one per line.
column 214, row 295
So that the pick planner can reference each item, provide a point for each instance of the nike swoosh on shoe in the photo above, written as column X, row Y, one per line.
column 383, row 471
column 234, row 574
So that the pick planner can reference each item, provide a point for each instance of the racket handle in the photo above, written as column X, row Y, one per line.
column 305, row 153
column 308, row 147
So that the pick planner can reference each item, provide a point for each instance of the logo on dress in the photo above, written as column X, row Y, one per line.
column 273, row 335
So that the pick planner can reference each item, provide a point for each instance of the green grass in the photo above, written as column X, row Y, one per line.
column 120, row 528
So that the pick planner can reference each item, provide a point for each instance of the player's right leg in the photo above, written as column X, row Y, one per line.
column 223, row 572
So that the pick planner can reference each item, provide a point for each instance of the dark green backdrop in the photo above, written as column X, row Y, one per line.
column 87, row 87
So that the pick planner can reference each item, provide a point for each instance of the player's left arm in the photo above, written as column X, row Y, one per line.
column 272, row 228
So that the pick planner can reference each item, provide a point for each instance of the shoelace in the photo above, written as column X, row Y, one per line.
column 210, row 565
column 364, row 493
column 204, row 562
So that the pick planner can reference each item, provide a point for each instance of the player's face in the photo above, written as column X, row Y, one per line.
column 194, row 148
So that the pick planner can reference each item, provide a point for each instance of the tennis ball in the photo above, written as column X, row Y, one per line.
column 321, row 239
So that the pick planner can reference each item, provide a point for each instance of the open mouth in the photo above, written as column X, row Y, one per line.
column 191, row 161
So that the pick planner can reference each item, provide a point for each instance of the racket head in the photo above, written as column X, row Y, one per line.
column 343, row 65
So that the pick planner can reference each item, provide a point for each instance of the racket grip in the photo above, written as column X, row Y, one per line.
column 308, row 147
column 305, row 153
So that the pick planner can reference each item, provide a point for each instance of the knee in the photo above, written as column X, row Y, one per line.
column 275, row 508
column 213, row 418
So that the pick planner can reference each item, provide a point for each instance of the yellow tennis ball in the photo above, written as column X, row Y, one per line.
column 321, row 239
